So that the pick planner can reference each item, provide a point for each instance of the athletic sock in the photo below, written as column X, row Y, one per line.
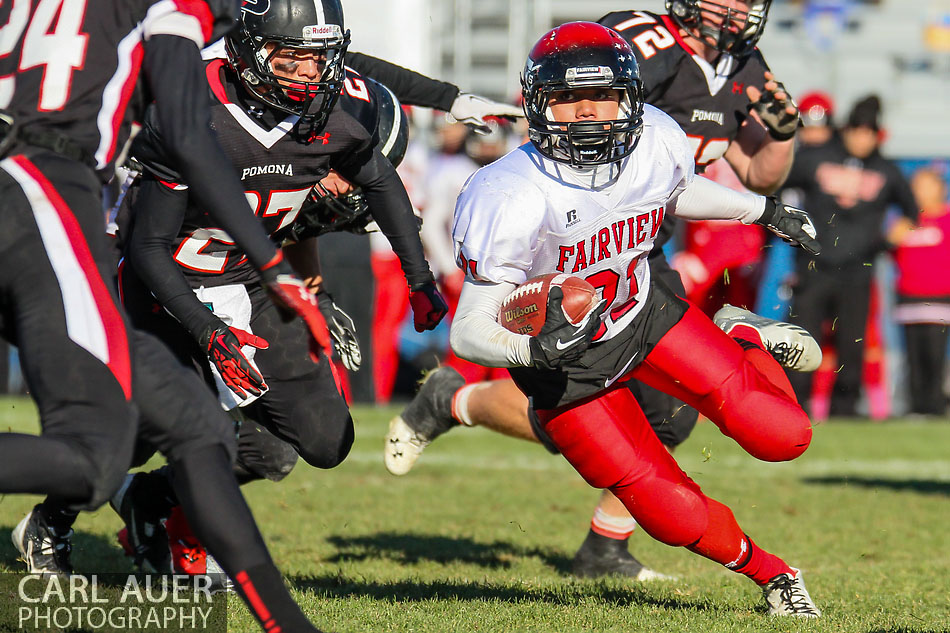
column 613, row 527
column 460, row 403
column 263, row 591
column 760, row 565
column 725, row 543
column 57, row 514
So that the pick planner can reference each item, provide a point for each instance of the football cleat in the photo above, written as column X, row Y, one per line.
column 188, row 555
column 428, row 416
column 793, row 347
column 44, row 551
column 786, row 594
column 143, row 538
column 602, row 556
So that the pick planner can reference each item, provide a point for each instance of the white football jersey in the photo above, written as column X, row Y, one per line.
column 526, row 215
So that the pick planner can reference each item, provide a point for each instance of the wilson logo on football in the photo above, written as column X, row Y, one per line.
column 517, row 313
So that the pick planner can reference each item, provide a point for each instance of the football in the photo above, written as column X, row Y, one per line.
column 523, row 311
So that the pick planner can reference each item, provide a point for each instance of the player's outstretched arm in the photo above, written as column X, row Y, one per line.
column 704, row 199
column 412, row 88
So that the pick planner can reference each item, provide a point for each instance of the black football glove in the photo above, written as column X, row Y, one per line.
column 791, row 224
column 561, row 342
column 780, row 124
column 428, row 306
column 223, row 345
column 342, row 331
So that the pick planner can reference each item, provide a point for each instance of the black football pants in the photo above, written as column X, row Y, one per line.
column 839, row 297
column 59, row 308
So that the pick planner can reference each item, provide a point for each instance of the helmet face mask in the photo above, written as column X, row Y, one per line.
column 730, row 30
column 575, row 57
column 268, row 46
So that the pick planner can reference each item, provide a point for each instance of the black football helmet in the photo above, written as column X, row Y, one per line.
column 582, row 55
column 308, row 25
column 740, row 40
column 323, row 212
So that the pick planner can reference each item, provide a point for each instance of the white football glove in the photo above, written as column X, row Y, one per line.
column 471, row 110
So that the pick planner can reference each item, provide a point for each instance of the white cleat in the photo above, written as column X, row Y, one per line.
column 428, row 416
column 793, row 347
column 403, row 447
column 786, row 595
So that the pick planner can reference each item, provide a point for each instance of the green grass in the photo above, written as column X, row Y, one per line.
column 480, row 535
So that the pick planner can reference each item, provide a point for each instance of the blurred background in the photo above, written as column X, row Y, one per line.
column 840, row 50
column 899, row 49
column 843, row 50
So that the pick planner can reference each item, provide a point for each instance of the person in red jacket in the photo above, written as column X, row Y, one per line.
column 923, row 297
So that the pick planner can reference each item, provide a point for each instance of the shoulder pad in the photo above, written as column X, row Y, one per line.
column 358, row 99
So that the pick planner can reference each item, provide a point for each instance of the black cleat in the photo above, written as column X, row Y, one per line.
column 602, row 556
column 143, row 538
column 428, row 416
column 41, row 547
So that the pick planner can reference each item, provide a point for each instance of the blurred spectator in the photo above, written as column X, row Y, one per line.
column 816, row 110
column 448, row 174
column 847, row 187
column 923, row 293
column 390, row 302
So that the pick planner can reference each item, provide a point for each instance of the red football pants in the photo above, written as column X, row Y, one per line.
column 610, row 443
column 389, row 309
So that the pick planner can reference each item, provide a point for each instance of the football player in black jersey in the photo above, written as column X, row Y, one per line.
column 699, row 64
column 64, row 117
column 286, row 111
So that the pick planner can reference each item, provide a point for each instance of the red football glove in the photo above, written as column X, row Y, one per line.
column 291, row 295
column 224, row 351
column 428, row 306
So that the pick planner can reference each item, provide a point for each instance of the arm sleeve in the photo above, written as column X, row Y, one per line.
column 476, row 335
column 390, row 207
column 704, row 199
column 410, row 87
column 177, row 79
column 158, row 211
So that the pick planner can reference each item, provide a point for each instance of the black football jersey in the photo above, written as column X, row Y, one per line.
column 709, row 103
column 277, row 170
column 74, row 64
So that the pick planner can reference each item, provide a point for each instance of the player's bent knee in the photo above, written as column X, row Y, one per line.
column 326, row 439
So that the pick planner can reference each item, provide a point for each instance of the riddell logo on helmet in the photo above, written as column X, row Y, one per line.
column 322, row 32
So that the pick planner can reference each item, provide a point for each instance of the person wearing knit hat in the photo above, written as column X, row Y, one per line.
column 847, row 186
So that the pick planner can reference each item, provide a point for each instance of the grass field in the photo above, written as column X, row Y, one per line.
column 480, row 535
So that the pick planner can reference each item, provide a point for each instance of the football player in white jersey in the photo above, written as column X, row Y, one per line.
column 699, row 64
column 586, row 197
